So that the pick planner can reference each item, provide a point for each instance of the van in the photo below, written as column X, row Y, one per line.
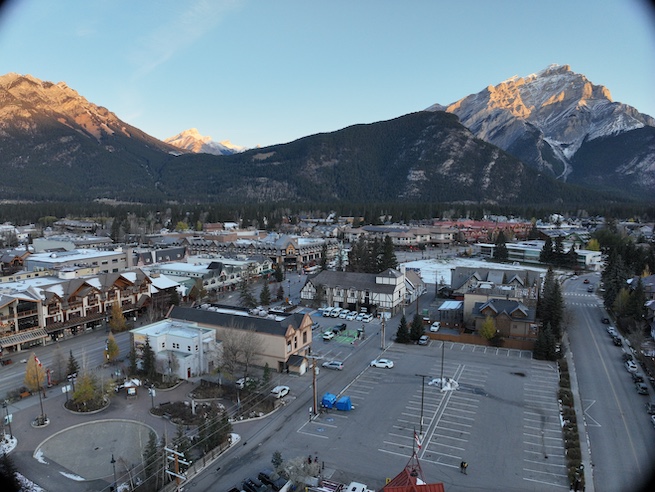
column 335, row 312
column 327, row 312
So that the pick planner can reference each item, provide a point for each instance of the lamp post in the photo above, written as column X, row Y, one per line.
column 7, row 419
column 422, row 376
column 289, row 289
column 113, row 464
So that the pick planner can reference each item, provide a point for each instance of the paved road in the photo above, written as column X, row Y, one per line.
column 621, row 436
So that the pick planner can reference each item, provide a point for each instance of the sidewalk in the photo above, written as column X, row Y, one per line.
column 585, row 451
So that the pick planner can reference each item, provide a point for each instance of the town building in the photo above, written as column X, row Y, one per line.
column 529, row 252
column 282, row 342
column 182, row 349
column 373, row 292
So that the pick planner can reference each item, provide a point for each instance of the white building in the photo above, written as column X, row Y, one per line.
column 182, row 348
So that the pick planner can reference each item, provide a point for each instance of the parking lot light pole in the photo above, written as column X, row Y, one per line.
column 113, row 464
column 422, row 376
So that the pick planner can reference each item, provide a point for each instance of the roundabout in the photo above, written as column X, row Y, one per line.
column 87, row 449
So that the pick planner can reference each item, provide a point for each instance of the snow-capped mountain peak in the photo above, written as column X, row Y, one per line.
column 193, row 141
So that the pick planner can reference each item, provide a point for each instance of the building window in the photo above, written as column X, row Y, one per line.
column 163, row 344
column 304, row 337
column 188, row 348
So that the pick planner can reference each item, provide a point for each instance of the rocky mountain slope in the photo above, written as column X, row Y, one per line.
column 557, row 121
column 56, row 145
column 193, row 141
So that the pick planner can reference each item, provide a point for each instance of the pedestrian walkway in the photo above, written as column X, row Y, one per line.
column 76, row 447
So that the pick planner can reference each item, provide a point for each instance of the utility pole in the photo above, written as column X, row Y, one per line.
column 443, row 345
column 313, row 358
column 382, row 333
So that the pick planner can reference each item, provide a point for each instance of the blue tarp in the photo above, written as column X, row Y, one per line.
column 328, row 400
column 344, row 404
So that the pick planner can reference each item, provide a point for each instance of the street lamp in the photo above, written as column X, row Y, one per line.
column 113, row 464
column 7, row 419
column 289, row 289
column 422, row 376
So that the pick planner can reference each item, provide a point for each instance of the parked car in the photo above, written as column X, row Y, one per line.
column 280, row 391
column 383, row 363
column 605, row 321
column 327, row 312
column 631, row 366
column 626, row 356
column 650, row 407
column 241, row 383
column 328, row 335
column 360, row 316
column 274, row 480
column 367, row 318
column 617, row 341
column 333, row 364
column 344, row 313
column 637, row 377
column 641, row 388
column 315, row 325
column 253, row 485
column 339, row 328
column 652, row 420
column 351, row 316
column 335, row 312
column 590, row 288
column 434, row 327
column 611, row 331
column 423, row 340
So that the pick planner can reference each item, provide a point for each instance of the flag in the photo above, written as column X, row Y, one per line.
column 417, row 439
column 38, row 362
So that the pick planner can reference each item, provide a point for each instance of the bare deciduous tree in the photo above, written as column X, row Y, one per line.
column 241, row 347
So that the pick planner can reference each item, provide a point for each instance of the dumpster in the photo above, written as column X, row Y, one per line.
column 344, row 404
column 328, row 400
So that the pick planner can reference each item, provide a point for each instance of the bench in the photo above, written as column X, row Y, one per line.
column 25, row 394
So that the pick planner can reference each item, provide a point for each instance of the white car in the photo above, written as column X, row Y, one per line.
column 328, row 335
column 344, row 313
column 333, row 364
column 351, row 316
column 367, row 318
column 242, row 382
column 360, row 316
column 435, row 326
column 280, row 391
column 383, row 363
column 631, row 366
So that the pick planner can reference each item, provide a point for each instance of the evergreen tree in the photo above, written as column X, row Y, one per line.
column 280, row 293
column 416, row 329
column 277, row 460
column 8, row 474
column 73, row 366
column 324, row 260
column 319, row 298
column 546, row 255
column 246, row 297
column 500, row 251
column 636, row 309
column 182, row 445
column 265, row 295
column 132, row 358
column 152, row 463
column 149, row 361
column 402, row 335
column 388, row 259
column 558, row 251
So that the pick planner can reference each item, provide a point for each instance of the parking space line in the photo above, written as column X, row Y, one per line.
column 458, row 416
column 455, row 423
column 547, row 483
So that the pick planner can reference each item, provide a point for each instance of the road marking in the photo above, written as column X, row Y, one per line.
column 588, row 417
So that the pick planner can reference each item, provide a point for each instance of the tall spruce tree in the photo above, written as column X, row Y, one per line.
column 416, row 330
column 388, row 258
column 402, row 335
column 500, row 251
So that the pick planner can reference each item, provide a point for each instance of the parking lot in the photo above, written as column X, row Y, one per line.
column 503, row 419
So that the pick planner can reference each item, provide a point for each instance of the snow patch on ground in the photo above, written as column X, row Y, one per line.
column 72, row 476
column 38, row 456
column 28, row 485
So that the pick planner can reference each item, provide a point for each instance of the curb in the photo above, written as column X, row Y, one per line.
column 585, row 449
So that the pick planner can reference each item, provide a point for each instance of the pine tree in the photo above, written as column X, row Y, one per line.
column 132, row 358
column 416, row 330
column 8, row 475
column 265, row 295
column 389, row 259
column 149, row 361
column 324, row 260
column 152, row 462
column 73, row 366
column 246, row 297
column 402, row 335
column 546, row 255
column 500, row 251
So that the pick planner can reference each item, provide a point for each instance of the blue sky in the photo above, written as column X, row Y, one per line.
column 267, row 72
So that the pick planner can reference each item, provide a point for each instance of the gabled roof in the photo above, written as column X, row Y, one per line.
column 411, row 479
column 350, row 280
column 509, row 307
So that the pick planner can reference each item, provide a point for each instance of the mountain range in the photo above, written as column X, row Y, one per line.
column 504, row 145
column 192, row 140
